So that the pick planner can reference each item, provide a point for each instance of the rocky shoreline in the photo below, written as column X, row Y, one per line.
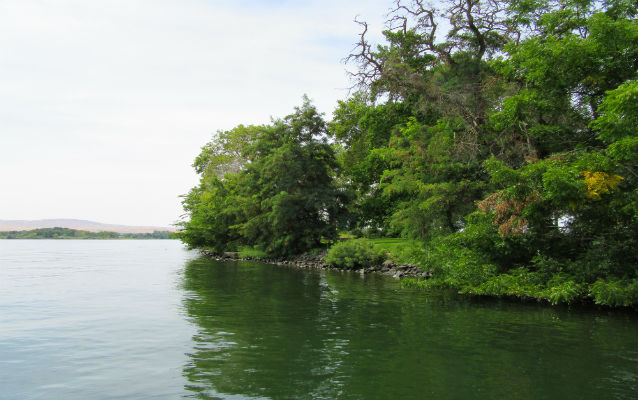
column 315, row 261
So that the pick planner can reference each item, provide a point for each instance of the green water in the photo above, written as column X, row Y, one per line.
column 149, row 319
column 271, row 332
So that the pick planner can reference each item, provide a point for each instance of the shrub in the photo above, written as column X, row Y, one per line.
column 615, row 292
column 518, row 283
column 455, row 264
column 353, row 254
column 563, row 292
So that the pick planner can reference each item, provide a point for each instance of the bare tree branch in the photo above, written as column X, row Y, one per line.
column 370, row 67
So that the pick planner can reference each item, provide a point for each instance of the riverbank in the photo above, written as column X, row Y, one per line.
column 316, row 261
column 414, row 275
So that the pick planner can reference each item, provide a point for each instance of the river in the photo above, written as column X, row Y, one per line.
column 152, row 320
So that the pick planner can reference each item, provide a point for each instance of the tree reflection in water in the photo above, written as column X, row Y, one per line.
column 274, row 332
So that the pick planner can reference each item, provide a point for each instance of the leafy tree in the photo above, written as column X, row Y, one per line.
column 359, row 128
column 281, row 195
column 507, row 145
column 292, row 175
column 226, row 153
column 526, row 110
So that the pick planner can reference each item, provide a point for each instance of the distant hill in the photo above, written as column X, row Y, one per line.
column 83, row 225
column 66, row 233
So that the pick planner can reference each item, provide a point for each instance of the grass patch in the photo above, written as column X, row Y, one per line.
column 399, row 250
column 391, row 243
column 250, row 252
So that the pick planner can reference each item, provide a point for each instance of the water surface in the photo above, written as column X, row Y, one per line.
column 149, row 319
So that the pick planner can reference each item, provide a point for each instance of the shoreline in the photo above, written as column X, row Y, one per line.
column 388, row 268
column 315, row 261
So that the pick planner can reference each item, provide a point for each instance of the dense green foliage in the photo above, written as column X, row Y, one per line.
column 66, row 233
column 507, row 147
column 271, row 187
column 353, row 254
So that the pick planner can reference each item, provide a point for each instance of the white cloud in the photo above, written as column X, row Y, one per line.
column 104, row 105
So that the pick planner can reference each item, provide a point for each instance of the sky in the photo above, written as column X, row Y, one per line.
column 105, row 104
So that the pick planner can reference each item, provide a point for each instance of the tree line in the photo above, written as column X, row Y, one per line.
column 501, row 135
column 67, row 233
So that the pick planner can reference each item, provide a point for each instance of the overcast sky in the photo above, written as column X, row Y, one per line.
column 105, row 104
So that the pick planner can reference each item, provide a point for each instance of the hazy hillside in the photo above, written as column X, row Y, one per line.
column 91, row 226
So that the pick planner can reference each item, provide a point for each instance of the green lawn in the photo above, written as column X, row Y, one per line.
column 400, row 250
column 249, row 252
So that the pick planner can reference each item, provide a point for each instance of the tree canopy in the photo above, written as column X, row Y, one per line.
column 277, row 190
column 502, row 135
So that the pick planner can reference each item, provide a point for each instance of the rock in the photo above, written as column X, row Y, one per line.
column 316, row 261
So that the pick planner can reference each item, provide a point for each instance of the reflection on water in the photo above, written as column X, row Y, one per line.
column 150, row 320
column 273, row 332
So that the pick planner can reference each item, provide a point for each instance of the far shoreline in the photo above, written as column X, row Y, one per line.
column 59, row 233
